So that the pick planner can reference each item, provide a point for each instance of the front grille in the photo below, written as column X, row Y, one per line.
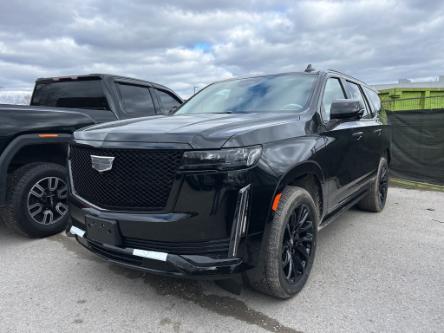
column 183, row 248
column 139, row 179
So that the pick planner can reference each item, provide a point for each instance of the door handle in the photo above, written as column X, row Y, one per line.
column 358, row 135
column 378, row 131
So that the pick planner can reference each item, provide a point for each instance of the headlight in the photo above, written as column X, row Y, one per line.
column 222, row 159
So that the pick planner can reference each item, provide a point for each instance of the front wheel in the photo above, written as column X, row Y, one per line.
column 37, row 200
column 289, row 246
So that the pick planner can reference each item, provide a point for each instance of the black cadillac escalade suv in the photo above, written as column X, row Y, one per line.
column 239, row 180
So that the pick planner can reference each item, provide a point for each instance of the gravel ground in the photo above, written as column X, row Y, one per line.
column 373, row 273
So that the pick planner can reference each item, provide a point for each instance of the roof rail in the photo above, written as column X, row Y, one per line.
column 342, row 73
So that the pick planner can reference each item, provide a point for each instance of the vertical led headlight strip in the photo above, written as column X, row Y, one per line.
column 239, row 227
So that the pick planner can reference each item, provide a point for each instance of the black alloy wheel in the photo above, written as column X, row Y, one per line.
column 288, row 248
column 297, row 244
column 383, row 185
column 377, row 195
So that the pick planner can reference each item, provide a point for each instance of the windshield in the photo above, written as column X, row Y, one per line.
column 286, row 92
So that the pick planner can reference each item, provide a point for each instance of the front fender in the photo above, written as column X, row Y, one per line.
column 18, row 143
column 282, row 162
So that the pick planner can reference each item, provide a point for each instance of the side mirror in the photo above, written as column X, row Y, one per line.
column 346, row 109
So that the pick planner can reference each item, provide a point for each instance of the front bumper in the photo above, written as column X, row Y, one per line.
column 190, row 266
column 211, row 225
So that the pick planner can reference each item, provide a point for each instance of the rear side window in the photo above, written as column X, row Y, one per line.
column 374, row 99
column 136, row 100
column 167, row 101
column 83, row 94
column 356, row 93
column 333, row 91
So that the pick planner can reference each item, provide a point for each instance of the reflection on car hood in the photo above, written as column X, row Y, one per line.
column 199, row 130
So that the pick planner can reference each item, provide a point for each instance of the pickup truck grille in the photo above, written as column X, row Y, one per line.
column 139, row 179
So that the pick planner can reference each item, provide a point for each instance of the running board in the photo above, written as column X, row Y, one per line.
column 332, row 217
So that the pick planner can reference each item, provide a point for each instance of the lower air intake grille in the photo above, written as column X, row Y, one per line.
column 196, row 248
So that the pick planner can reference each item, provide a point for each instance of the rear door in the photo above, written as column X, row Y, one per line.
column 369, row 129
column 168, row 102
column 377, row 135
column 136, row 100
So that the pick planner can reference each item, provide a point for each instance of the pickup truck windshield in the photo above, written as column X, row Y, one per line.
column 83, row 94
column 287, row 92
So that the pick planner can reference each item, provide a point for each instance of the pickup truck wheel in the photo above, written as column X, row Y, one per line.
column 37, row 200
column 289, row 246
column 377, row 196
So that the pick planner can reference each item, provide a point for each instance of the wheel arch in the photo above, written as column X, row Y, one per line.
column 307, row 175
column 19, row 148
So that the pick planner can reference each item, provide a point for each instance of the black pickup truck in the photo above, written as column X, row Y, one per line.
column 33, row 140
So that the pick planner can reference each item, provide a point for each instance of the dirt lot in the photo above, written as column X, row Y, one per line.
column 373, row 273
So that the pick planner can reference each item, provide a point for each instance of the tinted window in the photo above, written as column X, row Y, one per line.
column 167, row 102
column 85, row 94
column 136, row 100
column 287, row 92
column 374, row 99
column 355, row 92
column 333, row 91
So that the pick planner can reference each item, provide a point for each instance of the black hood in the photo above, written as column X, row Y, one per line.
column 199, row 131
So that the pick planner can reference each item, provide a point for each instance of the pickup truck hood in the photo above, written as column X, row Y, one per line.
column 22, row 119
column 199, row 131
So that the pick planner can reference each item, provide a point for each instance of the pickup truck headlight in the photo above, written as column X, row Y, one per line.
column 222, row 159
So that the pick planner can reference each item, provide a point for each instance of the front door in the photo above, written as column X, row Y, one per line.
column 345, row 157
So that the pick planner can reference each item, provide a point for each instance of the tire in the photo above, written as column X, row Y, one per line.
column 26, row 211
column 377, row 196
column 270, row 274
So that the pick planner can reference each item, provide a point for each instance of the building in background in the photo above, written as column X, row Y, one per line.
column 407, row 84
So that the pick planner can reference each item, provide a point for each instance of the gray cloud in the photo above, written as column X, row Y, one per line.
column 187, row 43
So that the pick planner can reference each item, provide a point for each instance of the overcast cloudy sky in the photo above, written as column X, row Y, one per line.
column 187, row 43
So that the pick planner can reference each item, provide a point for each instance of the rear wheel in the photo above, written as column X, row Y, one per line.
column 289, row 246
column 37, row 200
column 377, row 196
